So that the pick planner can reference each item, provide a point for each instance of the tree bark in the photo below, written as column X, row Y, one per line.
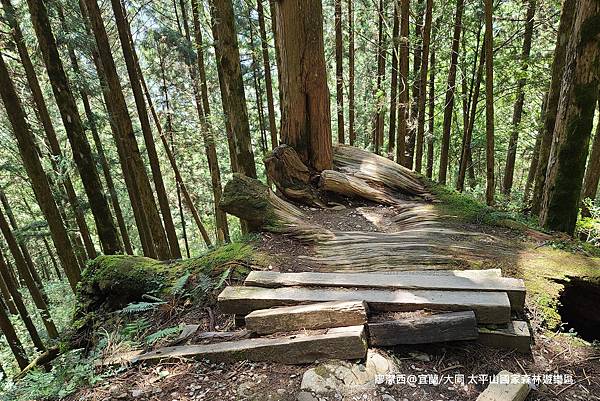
column 592, row 172
column 36, row 174
column 379, row 95
column 339, row 70
column 558, row 64
column 535, row 157
column 267, row 70
column 403, row 107
column 394, row 82
column 450, row 91
column 489, row 102
column 416, row 85
column 574, row 121
column 306, row 118
column 431, row 131
column 351, row 66
column 232, row 92
column 423, row 89
column 13, row 339
column 511, row 153
column 82, row 153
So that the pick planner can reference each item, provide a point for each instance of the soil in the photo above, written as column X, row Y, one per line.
column 554, row 354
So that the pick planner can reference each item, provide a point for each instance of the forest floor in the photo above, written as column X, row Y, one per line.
column 453, row 233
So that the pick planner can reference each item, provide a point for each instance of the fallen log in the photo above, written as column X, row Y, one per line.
column 489, row 307
column 374, row 168
column 347, row 185
column 455, row 326
column 291, row 176
column 313, row 316
column 43, row 359
column 515, row 288
column 338, row 343
column 250, row 200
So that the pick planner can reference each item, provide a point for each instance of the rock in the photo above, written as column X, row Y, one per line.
column 306, row 396
column 420, row 356
column 387, row 397
column 344, row 377
column 338, row 207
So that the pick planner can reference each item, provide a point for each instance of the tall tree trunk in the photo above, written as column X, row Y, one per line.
column 306, row 118
column 394, row 82
column 277, row 55
column 535, row 156
column 558, row 64
column 134, row 78
column 33, row 166
column 232, row 92
column 46, row 121
column 256, row 81
column 8, row 301
column 82, row 153
column 403, row 88
column 470, row 124
column 380, row 98
column 351, row 66
column 414, row 105
column 489, row 102
column 423, row 89
column 511, row 153
column 574, row 121
column 267, row 70
column 592, row 172
column 450, row 92
column 138, row 185
column 339, row 70
column 25, row 274
column 431, row 130
column 203, row 109
column 12, row 339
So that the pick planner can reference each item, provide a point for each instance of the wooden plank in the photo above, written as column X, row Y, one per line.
column 515, row 336
column 454, row 326
column 458, row 273
column 320, row 315
column 339, row 343
column 489, row 307
column 515, row 288
column 506, row 387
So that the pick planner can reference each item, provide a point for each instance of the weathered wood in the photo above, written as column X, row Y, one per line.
column 252, row 201
column 454, row 326
column 476, row 274
column 515, row 336
column 507, row 387
column 515, row 288
column 347, row 185
column 313, row 316
column 339, row 343
column 489, row 307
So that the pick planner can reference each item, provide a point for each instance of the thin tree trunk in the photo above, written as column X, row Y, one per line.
column 36, row 174
column 267, row 70
column 277, row 55
column 403, row 107
column 306, row 118
column 394, row 82
column 558, row 64
column 129, row 53
column 450, row 92
column 13, row 340
column 431, row 131
column 232, row 92
column 380, row 98
column 351, row 66
column 511, row 153
column 574, row 121
column 592, row 172
column 423, row 89
column 8, row 301
column 82, row 154
column 414, row 105
column 339, row 71
column 489, row 102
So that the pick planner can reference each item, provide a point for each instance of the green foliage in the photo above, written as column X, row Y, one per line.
column 161, row 334
column 139, row 307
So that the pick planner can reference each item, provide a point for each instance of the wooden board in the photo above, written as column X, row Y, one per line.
column 434, row 272
column 509, row 387
column 454, row 326
column 319, row 315
column 339, row 343
column 515, row 335
column 515, row 288
column 489, row 307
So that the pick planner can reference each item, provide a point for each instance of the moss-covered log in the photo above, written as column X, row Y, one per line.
column 254, row 202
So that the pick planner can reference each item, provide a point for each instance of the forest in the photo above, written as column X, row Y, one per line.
column 156, row 154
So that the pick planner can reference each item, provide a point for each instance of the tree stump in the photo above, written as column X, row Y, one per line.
column 347, row 185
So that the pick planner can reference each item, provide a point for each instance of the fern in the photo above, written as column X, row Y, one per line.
column 180, row 284
column 169, row 331
column 221, row 280
column 138, row 307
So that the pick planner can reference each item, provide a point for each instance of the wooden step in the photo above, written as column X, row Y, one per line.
column 514, row 336
column 338, row 343
column 506, row 387
column 320, row 315
column 515, row 288
column 489, row 307
column 476, row 274
column 454, row 326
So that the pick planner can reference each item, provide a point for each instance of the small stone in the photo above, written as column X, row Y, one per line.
column 387, row 397
column 420, row 356
column 306, row 396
